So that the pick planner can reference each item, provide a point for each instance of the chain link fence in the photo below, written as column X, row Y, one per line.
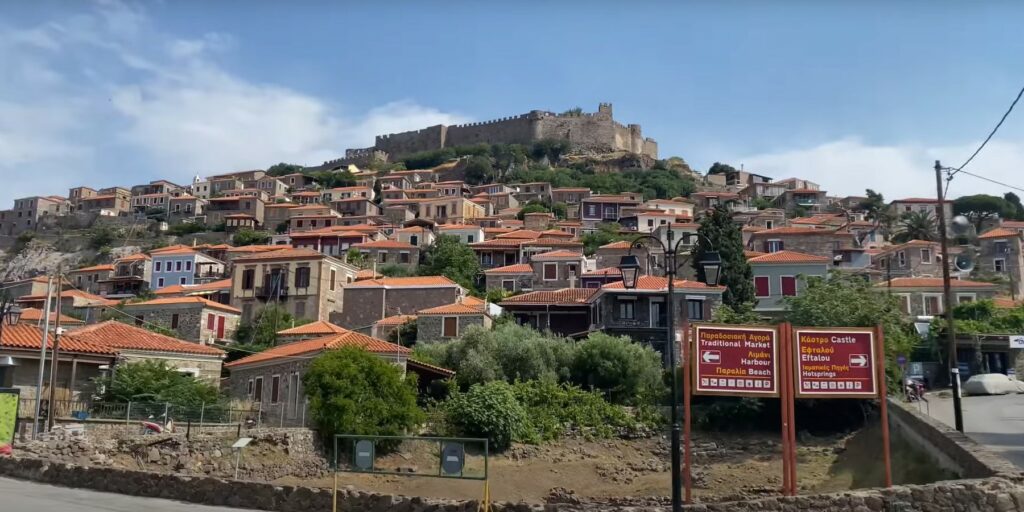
column 256, row 415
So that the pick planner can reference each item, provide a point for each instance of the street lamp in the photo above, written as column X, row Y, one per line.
column 12, row 315
column 711, row 263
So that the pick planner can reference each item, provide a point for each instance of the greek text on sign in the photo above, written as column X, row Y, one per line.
column 835, row 363
column 736, row 361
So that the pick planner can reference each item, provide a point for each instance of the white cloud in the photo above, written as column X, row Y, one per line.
column 848, row 166
column 119, row 86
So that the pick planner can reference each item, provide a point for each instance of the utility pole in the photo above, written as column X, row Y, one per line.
column 42, row 359
column 947, row 293
column 55, row 356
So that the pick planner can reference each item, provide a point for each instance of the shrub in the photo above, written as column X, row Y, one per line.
column 352, row 391
column 186, row 228
column 555, row 408
column 250, row 237
column 489, row 410
column 509, row 352
column 625, row 371
column 154, row 381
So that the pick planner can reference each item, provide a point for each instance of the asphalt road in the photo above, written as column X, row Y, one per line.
column 995, row 421
column 19, row 496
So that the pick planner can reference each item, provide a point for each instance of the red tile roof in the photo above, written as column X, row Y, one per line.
column 283, row 254
column 30, row 337
column 134, row 257
column 319, row 327
column 403, row 282
column 256, row 248
column 120, row 336
column 932, row 282
column 518, row 268
column 551, row 242
column 1006, row 303
column 789, row 257
column 94, row 268
column 458, row 308
column 395, row 320
column 199, row 301
column 560, row 254
column 367, row 273
column 35, row 315
column 753, row 254
column 223, row 284
column 621, row 244
column 498, row 243
column 306, row 348
column 565, row 296
column 384, row 244
column 520, row 234
column 655, row 283
column 999, row 233
column 1014, row 224
column 607, row 271
column 801, row 231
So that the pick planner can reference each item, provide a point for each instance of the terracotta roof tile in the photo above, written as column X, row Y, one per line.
column 932, row 282
column 307, row 348
column 256, row 248
column 801, row 231
column 94, row 268
column 999, row 233
column 367, row 273
column 458, row 308
column 753, row 254
column 655, row 283
column 120, row 336
column 384, row 244
column 607, row 271
column 551, row 242
column 35, row 315
column 789, row 257
column 518, row 268
column 560, row 254
column 30, row 337
column 167, row 301
column 621, row 244
column 565, row 296
column 319, row 327
column 134, row 257
column 403, row 282
column 223, row 284
column 395, row 320
column 498, row 243
column 520, row 234
column 283, row 254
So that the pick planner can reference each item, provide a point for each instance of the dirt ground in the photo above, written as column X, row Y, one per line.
column 725, row 467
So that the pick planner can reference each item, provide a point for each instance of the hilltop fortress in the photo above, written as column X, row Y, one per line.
column 596, row 132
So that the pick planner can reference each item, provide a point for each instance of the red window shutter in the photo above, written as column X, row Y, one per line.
column 788, row 286
column 209, row 320
column 762, row 285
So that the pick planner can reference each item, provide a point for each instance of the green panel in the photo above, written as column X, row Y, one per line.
column 8, row 417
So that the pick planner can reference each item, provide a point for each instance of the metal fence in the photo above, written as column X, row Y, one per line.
column 250, row 415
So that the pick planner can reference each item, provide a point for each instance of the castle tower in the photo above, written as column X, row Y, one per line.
column 605, row 109
column 636, row 139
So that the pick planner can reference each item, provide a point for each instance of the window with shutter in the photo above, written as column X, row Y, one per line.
column 209, row 320
column 788, row 285
column 762, row 285
column 450, row 327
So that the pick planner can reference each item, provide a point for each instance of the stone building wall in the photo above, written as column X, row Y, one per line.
column 522, row 281
column 429, row 328
column 372, row 305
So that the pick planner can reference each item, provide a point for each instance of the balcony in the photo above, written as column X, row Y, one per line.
column 271, row 292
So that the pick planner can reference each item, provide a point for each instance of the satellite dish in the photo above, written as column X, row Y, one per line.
column 960, row 225
column 964, row 262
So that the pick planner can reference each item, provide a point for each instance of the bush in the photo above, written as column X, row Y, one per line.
column 554, row 409
column 509, row 352
column 489, row 410
column 250, row 237
column 186, row 228
column 352, row 391
column 626, row 372
column 154, row 381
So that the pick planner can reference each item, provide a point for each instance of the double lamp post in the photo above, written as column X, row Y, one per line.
column 711, row 264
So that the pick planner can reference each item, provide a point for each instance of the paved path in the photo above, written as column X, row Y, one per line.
column 19, row 496
column 995, row 421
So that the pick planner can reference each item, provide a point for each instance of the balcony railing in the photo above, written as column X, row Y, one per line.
column 270, row 292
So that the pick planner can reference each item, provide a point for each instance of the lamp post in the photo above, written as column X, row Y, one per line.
column 630, row 268
column 10, row 314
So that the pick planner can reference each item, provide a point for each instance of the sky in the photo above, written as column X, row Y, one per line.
column 850, row 94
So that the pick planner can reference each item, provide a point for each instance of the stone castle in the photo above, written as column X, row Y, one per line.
column 596, row 132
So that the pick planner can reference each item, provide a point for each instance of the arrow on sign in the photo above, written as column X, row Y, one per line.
column 711, row 356
column 859, row 360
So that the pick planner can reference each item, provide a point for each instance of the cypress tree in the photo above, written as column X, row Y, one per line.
column 719, row 232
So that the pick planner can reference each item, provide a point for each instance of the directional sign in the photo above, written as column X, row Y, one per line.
column 453, row 458
column 1016, row 341
column 835, row 363
column 736, row 361
column 363, row 456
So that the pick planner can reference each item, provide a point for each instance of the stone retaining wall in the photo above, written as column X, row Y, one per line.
column 986, row 495
column 950, row 449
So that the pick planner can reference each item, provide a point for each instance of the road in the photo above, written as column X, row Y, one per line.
column 19, row 496
column 994, row 421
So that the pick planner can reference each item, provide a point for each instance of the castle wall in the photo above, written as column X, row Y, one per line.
column 587, row 132
column 399, row 144
column 509, row 130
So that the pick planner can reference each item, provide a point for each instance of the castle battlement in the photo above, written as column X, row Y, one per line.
column 585, row 132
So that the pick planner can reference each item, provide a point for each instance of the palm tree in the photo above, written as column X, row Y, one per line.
column 916, row 226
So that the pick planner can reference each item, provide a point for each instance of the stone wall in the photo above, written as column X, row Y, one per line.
column 988, row 495
column 429, row 328
column 399, row 301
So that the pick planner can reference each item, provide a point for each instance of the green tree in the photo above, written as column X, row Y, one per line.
column 1014, row 201
column 405, row 334
column 451, row 258
column 606, row 233
column 102, row 236
column 718, row 232
column 186, row 228
column 916, row 226
column 355, row 257
column 282, row 169
column 352, row 391
column 260, row 333
column 720, row 168
column 761, row 203
column 850, row 301
column 981, row 207
column 553, row 149
column 250, row 237
column 155, row 381
column 489, row 410
column 396, row 271
column 874, row 206
column 561, row 210
column 626, row 372
column 332, row 179
column 532, row 207
column 479, row 170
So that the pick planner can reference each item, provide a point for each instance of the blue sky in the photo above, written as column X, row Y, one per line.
column 849, row 94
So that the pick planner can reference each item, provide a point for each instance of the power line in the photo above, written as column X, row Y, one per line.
column 992, row 133
column 990, row 180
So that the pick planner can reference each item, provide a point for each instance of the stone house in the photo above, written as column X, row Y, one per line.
column 336, row 194
column 192, row 318
column 332, row 241
column 33, row 316
column 269, row 184
column 783, row 274
column 80, row 362
column 185, row 207
column 317, row 329
column 28, row 212
column 217, row 291
column 1000, row 255
column 304, row 282
column 450, row 210
column 610, row 255
column 916, row 258
column 132, row 275
column 276, row 215
column 572, row 198
column 388, row 296
column 498, row 252
column 356, row 207
column 390, row 252
column 76, row 195
column 450, row 321
column 498, row 201
column 73, row 302
column 538, row 221
column 466, row 233
column 927, row 205
column 604, row 208
column 600, row 277
column 513, row 278
column 296, row 181
column 557, row 269
column 419, row 236
column 819, row 242
column 88, row 278
column 383, row 328
column 219, row 208
column 923, row 296
column 535, row 191
column 112, row 201
column 709, row 199
column 566, row 312
column 135, row 344
column 792, row 199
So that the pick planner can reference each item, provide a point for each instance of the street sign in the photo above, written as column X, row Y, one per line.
column 363, row 456
column 835, row 363
column 1016, row 341
column 736, row 361
column 901, row 360
column 453, row 458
